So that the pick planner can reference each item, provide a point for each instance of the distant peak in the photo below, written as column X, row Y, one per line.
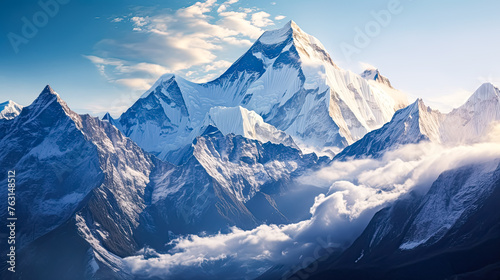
column 7, row 103
column 48, row 95
column 107, row 117
column 488, row 87
column 168, row 76
column 277, row 36
column 421, row 102
column 372, row 73
column 164, row 78
column 417, row 103
column 292, row 25
column 48, row 90
column 486, row 91
column 9, row 109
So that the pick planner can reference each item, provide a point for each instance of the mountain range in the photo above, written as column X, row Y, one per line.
column 287, row 78
column 200, row 159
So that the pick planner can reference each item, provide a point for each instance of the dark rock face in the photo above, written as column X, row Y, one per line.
column 95, row 196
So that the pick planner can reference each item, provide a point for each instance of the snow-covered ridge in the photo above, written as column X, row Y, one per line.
column 9, row 110
column 466, row 124
column 240, row 121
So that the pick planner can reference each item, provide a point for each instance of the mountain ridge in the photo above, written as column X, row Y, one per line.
column 464, row 125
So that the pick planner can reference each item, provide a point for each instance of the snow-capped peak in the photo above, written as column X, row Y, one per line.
column 50, row 100
column 472, row 121
column 48, row 95
column 486, row 91
column 48, row 90
column 308, row 47
column 9, row 110
column 108, row 117
column 412, row 124
column 164, row 78
column 374, row 74
column 277, row 36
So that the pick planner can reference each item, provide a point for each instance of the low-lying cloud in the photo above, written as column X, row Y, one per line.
column 354, row 191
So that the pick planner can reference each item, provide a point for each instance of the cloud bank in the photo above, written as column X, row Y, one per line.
column 354, row 191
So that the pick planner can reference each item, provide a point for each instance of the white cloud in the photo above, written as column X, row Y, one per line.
column 188, row 40
column 221, row 64
column 197, row 10
column 280, row 17
column 237, row 23
column 261, row 19
column 447, row 102
column 237, row 42
column 356, row 190
column 225, row 5
column 136, row 83
column 139, row 22
column 125, row 67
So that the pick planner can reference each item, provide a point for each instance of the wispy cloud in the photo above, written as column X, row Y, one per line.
column 261, row 19
column 191, row 41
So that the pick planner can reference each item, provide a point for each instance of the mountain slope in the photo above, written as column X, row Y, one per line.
column 78, row 179
column 228, row 180
column 286, row 77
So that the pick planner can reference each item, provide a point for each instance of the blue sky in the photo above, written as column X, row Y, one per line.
column 102, row 55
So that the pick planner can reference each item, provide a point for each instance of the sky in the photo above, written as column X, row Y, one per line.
column 102, row 55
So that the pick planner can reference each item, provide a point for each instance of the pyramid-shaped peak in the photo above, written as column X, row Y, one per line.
column 485, row 92
column 277, row 36
column 48, row 90
column 163, row 79
column 292, row 25
column 46, row 97
column 107, row 117
column 47, row 94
